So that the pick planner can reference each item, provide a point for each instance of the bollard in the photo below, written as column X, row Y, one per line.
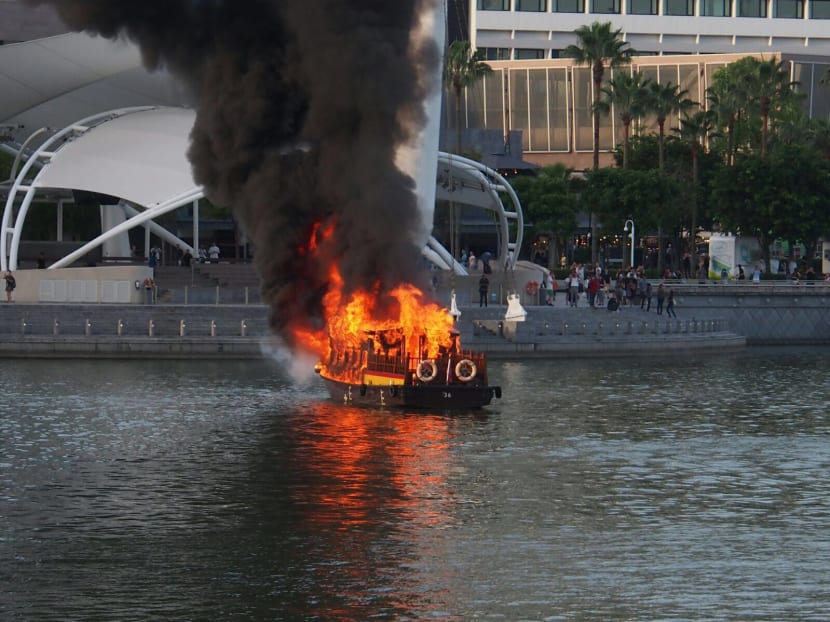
column 56, row 327
column 151, row 326
column 182, row 326
column 23, row 326
column 87, row 327
column 599, row 328
column 119, row 328
column 213, row 328
column 584, row 326
column 564, row 328
column 243, row 328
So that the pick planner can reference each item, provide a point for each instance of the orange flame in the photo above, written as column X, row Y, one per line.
column 424, row 326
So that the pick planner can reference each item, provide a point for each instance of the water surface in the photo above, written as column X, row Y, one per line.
column 664, row 488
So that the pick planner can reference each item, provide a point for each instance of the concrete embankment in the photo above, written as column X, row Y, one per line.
column 241, row 331
column 708, row 317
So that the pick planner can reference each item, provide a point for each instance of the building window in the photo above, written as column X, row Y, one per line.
column 493, row 5
column 605, row 7
column 524, row 54
column 820, row 9
column 716, row 8
column 642, row 7
column 752, row 8
column 531, row 5
column 567, row 6
column 788, row 8
column 679, row 7
column 495, row 53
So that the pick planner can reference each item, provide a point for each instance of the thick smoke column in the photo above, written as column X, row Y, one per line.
column 301, row 106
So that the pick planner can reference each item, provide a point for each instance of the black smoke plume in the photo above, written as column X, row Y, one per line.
column 300, row 107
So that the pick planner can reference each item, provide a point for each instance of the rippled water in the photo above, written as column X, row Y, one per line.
column 674, row 488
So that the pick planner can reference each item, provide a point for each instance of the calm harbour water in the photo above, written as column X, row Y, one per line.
column 678, row 488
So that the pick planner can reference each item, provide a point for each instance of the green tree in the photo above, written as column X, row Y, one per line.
column 770, row 86
column 665, row 100
column 693, row 131
column 550, row 201
column 726, row 97
column 598, row 46
column 646, row 196
column 629, row 96
column 783, row 195
column 462, row 68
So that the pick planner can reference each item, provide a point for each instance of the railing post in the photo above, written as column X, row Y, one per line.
column 119, row 330
column 182, row 326
column 23, row 326
column 243, row 328
column 55, row 327
column 217, row 295
column 151, row 327
column 88, row 327
column 213, row 328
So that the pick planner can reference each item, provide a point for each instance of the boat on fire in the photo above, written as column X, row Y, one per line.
column 381, row 372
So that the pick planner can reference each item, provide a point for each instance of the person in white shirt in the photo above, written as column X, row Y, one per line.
column 213, row 252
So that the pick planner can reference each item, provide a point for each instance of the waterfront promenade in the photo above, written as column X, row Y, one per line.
column 711, row 316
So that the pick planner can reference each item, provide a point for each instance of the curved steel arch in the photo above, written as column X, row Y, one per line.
column 472, row 183
column 10, row 235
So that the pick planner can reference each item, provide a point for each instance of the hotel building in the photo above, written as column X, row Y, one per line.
column 548, row 98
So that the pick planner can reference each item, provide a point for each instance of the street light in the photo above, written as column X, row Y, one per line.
column 629, row 227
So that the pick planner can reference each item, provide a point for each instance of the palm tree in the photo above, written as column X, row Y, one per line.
column 665, row 100
column 628, row 93
column 770, row 84
column 598, row 45
column 694, row 130
column 462, row 68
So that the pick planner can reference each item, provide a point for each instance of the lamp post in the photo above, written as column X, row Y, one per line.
column 629, row 228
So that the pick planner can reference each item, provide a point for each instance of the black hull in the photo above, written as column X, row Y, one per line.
column 418, row 397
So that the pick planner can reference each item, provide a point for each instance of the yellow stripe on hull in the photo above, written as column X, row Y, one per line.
column 382, row 378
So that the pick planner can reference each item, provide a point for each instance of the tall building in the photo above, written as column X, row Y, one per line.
column 523, row 29
column 548, row 98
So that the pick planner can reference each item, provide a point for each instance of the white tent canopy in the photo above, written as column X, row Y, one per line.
column 140, row 157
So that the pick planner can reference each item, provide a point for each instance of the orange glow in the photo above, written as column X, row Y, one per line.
column 422, row 327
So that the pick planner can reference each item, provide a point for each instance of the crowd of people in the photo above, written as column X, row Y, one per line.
column 627, row 288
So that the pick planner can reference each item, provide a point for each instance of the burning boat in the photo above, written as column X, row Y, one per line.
column 382, row 372
column 412, row 358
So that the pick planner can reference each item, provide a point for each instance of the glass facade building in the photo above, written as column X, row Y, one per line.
column 549, row 100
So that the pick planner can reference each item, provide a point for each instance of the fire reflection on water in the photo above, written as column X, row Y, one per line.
column 374, row 480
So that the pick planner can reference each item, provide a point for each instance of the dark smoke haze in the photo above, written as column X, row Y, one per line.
column 301, row 105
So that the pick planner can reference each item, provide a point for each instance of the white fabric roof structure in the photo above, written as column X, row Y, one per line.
column 54, row 81
column 139, row 156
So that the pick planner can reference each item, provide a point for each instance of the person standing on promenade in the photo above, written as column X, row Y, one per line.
column 10, row 285
column 661, row 295
column 646, row 299
column 670, row 304
column 483, row 288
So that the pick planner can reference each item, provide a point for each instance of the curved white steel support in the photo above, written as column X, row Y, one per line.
column 141, row 218
column 464, row 176
column 160, row 231
column 9, row 248
column 448, row 262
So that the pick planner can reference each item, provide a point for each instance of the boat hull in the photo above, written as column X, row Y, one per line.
column 416, row 397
